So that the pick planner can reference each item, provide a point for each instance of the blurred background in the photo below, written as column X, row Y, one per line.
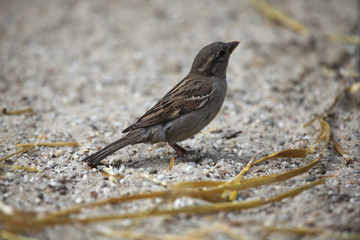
column 95, row 53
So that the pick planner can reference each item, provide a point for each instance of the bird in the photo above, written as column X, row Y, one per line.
column 185, row 110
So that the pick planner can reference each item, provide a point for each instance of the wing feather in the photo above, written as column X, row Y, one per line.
column 178, row 101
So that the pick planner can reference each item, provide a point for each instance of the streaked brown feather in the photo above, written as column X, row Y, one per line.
column 178, row 101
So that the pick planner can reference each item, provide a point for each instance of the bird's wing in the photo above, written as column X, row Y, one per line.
column 187, row 96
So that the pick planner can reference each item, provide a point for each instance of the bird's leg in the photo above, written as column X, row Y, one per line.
column 180, row 151
column 191, row 155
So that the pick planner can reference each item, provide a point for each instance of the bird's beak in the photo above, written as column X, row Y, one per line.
column 233, row 45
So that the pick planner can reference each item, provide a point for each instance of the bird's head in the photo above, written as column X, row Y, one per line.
column 213, row 59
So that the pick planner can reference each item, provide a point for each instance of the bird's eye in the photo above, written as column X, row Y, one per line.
column 221, row 53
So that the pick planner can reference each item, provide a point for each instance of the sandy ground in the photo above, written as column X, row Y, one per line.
column 90, row 68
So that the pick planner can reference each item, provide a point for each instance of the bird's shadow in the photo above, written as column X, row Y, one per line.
column 162, row 160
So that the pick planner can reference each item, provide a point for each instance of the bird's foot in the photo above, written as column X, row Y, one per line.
column 186, row 155
column 191, row 156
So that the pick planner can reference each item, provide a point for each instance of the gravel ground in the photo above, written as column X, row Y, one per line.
column 90, row 68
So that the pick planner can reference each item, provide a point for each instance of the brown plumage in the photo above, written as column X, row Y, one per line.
column 185, row 109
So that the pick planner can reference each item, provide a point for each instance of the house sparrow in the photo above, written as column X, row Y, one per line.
column 186, row 109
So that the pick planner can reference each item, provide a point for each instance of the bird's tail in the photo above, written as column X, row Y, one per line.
column 95, row 158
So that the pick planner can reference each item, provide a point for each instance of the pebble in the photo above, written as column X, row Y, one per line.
column 93, row 194
column 106, row 191
column 160, row 150
column 181, row 203
column 48, row 199
column 335, row 182
column 227, row 150
column 347, row 138
column 121, row 170
column 59, row 152
column 188, row 169
column 160, row 176
column 79, row 121
column 10, row 175
column 41, row 168
column 205, row 172
column 192, row 163
column 311, row 179
column 61, row 205
column 153, row 171
column 334, row 198
column 131, row 153
column 63, row 190
column 283, row 218
column 219, row 142
column 50, row 164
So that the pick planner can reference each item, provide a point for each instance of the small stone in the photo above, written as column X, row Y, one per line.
column 93, row 194
column 53, row 183
column 160, row 176
column 347, row 138
column 79, row 121
column 58, row 153
column 121, row 170
column 153, row 171
column 61, row 180
column 285, row 164
column 62, row 191
column 106, row 191
column 192, row 163
column 131, row 153
column 10, row 175
column 311, row 179
column 40, row 196
column 50, row 164
column 188, row 169
column 48, row 199
column 160, row 150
